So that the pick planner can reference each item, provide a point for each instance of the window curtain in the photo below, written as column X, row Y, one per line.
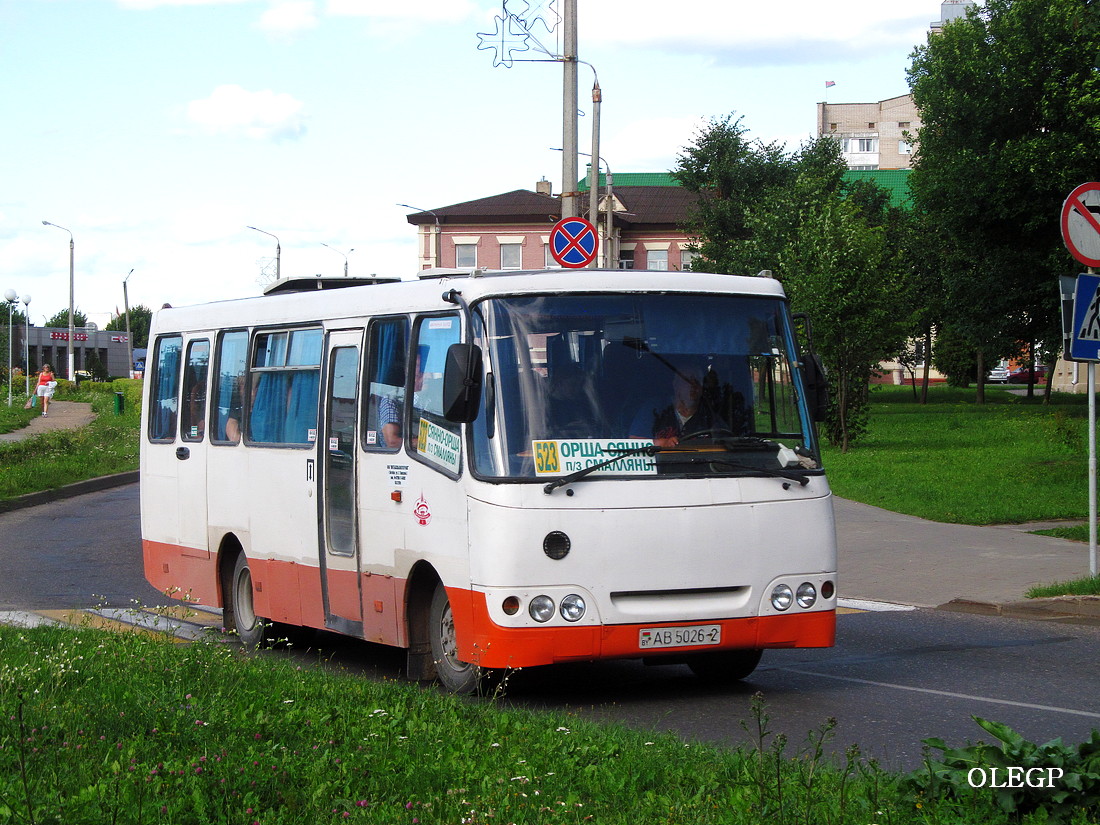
column 168, row 371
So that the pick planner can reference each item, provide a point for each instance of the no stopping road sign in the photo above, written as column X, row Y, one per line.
column 574, row 243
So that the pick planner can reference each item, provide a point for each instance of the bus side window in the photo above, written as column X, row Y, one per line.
column 286, row 376
column 229, row 387
column 166, row 380
column 384, row 402
column 193, row 406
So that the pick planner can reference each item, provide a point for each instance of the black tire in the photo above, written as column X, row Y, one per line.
column 251, row 629
column 725, row 665
column 454, row 674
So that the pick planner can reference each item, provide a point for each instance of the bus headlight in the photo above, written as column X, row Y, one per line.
column 806, row 595
column 572, row 608
column 782, row 596
column 541, row 609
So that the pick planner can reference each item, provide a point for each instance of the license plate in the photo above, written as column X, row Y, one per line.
column 659, row 637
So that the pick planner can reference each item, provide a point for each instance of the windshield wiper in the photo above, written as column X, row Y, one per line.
column 647, row 449
column 698, row 458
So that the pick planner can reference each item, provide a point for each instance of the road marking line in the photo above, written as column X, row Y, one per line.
column 949, row 694
column 873, row 607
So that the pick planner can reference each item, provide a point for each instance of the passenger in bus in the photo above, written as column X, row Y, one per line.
column 690, row 412
column 233, row 417
column 390, row 409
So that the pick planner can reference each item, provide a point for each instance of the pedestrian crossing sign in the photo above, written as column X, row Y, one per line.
column 1084, row 344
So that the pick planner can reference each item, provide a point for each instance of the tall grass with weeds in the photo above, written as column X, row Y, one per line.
column 98, row 727
column 106, row 446
column 1010, row 460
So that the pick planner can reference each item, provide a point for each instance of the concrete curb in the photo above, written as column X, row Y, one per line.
column 1067, row 609
column 92, row 485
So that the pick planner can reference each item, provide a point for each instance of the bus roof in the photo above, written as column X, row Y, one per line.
column 425, row 294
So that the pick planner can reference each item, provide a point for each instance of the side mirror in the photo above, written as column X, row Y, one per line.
column 462, row 383
column 817, row 386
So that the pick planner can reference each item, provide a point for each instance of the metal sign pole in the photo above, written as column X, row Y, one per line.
column 1092, row 466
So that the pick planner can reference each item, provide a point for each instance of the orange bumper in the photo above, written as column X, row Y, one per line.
column 488, row 644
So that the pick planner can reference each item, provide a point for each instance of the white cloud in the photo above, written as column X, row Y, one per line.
column 152, row 4
column 441, row 11
column 285, row 17
column 761, row 34
column 649, row 143
column 263, row 115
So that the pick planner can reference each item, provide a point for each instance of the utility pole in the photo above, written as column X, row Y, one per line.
column 569, row 113
column 594, row 166
column 129, row 338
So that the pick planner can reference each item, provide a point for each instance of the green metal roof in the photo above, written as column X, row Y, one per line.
column 894, row 181
column 632, row 179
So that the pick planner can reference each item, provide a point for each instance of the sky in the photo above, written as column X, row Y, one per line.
column 157, row 131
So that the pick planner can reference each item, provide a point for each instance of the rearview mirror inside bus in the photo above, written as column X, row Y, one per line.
column 462, row 383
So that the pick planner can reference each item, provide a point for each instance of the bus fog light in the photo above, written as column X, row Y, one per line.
column 572, row 608
column 510, row 606
column 782, row 596
column 806, row 595
column 541, row 608
column 827, row 590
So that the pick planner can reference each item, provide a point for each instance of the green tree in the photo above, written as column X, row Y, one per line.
column 830, row 244
column 1009, row 98
column 140, row 318
column 61, row 319
column 729, row 171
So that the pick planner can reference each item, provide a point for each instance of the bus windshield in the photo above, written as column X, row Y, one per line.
column 678, row 384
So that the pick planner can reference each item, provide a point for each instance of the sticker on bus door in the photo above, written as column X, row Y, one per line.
column 440, row 446
column 561, row 456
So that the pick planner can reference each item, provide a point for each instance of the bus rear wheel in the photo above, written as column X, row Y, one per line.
column 454, row 674
column 725, row 665
column 250, row 628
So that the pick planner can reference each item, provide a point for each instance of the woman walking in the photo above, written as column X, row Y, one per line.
column 46, row 384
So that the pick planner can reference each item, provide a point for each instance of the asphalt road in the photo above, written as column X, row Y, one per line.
column 893, row 679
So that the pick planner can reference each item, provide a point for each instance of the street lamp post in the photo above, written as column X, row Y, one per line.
column 608, row 245
column 433, row 247
column 26, row 299
column 9, row 295
column 72, row 304
column 338, row 252
column 278, row 252
column 129, row 340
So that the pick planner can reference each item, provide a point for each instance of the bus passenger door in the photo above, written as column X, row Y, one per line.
column 339, row 545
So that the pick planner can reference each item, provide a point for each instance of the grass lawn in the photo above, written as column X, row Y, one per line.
column 98, row 727
column 1011, row 460
column 108, row 445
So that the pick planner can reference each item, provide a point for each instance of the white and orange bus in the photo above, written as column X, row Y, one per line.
column 497, row 470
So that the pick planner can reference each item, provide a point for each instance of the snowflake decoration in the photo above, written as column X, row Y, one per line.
column 514, row 30
column 509, row 37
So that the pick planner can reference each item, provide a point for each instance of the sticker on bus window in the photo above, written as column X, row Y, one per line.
column 440, row 323
column 440, row 446
column 563, row 456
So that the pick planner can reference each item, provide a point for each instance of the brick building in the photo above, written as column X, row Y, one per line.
column 512, row 230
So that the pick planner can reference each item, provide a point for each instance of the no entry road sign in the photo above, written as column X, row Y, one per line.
column 573, row 242
column 1080, row 224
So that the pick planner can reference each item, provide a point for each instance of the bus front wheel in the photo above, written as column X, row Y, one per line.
column 725, row 665
column 454, row 674
column 250, row 627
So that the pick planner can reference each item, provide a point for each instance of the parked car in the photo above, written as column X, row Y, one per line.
column 1025, row 375
column 998, row 375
